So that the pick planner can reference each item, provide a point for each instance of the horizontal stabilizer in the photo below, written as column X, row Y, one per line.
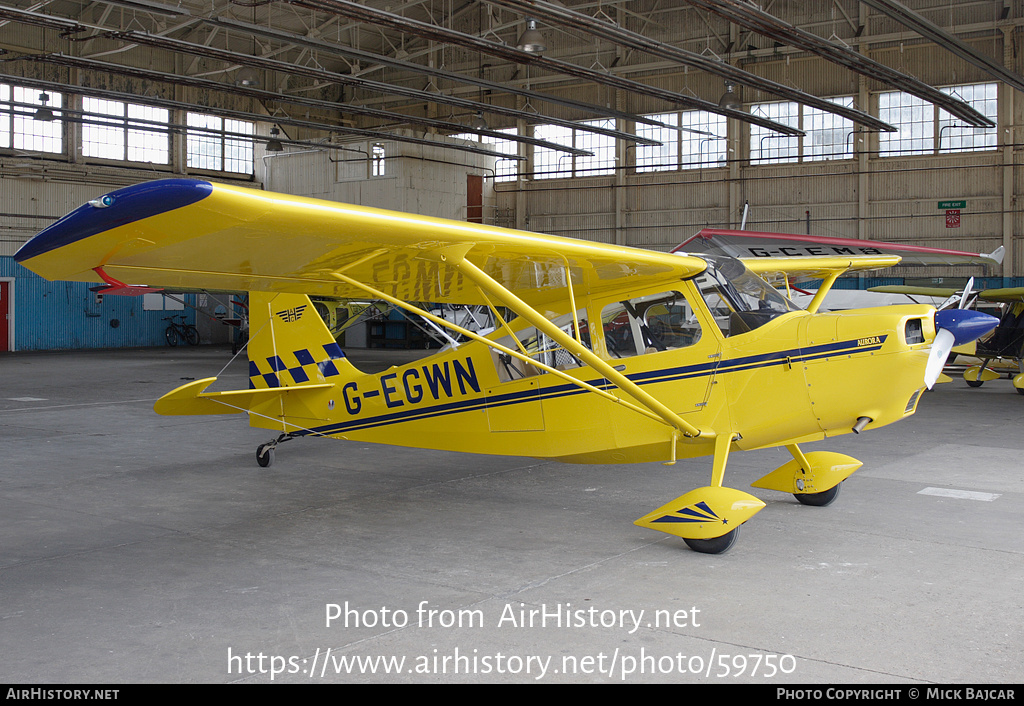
column 191, row 399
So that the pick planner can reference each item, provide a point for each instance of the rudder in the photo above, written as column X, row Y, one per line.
column 290, row 345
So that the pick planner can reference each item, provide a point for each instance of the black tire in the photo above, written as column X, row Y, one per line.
column 171, row 334
column 1019, row 390
column 715, row 545
column 192, row 335
column 264, row 455
column 825, row 497
column 974, row 383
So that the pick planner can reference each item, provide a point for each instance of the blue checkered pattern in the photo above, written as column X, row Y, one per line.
column 308, row 363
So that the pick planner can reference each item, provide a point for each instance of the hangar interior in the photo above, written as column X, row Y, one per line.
column 136, row 547
column 634, row 122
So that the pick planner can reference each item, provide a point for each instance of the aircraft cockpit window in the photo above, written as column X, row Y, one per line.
column 649, row 324
column 538, row 346
column 739, row 300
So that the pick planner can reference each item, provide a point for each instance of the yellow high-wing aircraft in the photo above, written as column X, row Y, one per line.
column 603, row 354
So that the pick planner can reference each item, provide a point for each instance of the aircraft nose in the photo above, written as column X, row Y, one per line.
column 966, row 325
column 954, row 327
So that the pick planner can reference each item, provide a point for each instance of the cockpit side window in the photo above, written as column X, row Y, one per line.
column 537, row 345
column 739, row 300
column 649, row 324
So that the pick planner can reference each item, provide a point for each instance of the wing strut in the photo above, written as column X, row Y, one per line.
column 508, row 351
column 456, row 258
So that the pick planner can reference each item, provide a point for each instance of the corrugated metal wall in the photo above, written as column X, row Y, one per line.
column 66, row 315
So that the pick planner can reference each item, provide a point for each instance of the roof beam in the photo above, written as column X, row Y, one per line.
column 336, row 49
column 904, row 15
column 177, row 45
column 371, row 15
column 750, row 17
column 570, row 18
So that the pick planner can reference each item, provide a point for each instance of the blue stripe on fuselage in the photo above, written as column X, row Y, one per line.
column 764, row 360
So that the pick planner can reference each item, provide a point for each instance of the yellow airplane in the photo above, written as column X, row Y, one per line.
column 602, row 354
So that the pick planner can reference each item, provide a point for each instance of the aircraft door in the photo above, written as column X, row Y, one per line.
column 663, row 343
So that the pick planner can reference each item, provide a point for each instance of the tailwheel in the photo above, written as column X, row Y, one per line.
column 715, row 545
column 265, row 455
column 825, row 497
column 265, row 452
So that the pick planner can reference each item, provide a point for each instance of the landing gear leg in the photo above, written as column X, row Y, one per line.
column 265, row 452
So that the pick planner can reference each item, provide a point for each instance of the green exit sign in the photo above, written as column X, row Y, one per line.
column 952, row 204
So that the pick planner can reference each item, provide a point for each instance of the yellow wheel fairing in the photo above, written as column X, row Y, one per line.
column 976, row 373
column 704, row 513
column 827, row 470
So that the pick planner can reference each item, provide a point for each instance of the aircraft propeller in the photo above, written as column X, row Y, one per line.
column 955, row 327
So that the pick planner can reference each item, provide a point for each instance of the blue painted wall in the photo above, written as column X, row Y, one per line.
column 65, row 315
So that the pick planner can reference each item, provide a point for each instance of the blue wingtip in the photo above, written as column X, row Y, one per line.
column 966, row 325
column 115, row 209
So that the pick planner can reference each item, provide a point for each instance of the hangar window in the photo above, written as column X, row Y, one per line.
column 927, row 129
column 219, row 143
column 29, row 119
column 378, row 164
column 827, row 135
column 771, row 147
column 956, row 137
column 549, row 164
column 125, row 131
column 700, row 145
column 914, row 119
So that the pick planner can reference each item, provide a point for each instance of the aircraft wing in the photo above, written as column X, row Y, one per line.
column 751, row 246
column 183, row 233
column 798, row 269
column 911, row 290
column 1004, row 295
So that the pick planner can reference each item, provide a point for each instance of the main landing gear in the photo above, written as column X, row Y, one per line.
column 715, row 545
column 708, row 519
column 265, row 452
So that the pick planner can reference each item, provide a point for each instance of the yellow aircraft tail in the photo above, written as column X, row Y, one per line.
column 289, row 344
column 294, row 365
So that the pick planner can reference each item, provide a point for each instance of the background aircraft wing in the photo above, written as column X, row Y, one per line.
column 753, row 245
column 182, row 233
column 1005, row 295
column 912, row 290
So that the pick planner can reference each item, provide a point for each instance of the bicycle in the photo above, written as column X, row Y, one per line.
column 185, row 331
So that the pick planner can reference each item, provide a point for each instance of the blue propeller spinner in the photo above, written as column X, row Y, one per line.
column 955, row 327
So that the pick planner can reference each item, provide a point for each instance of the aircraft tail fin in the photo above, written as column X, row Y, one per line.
column 294, row 364
column 290, row 344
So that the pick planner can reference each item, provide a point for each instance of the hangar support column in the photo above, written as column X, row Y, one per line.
column 1007, row 138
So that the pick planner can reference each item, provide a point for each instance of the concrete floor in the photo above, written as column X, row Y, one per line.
column 138, row 548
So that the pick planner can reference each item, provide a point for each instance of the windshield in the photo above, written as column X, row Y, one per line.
column 739, row 300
